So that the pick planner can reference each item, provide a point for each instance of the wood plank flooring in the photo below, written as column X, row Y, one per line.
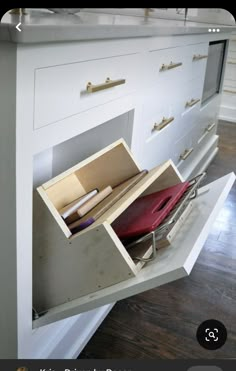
column 162, row 323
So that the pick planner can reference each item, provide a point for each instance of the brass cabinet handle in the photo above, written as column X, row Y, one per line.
column 210, row 127
column 106, row 85
column 197, row 57
column 192, row 102
column 230, row 91
column 166, row 67
column 163, row 123
column 186, row 153
column 231, row 62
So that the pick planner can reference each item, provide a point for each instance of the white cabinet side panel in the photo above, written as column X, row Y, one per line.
column 8, row 322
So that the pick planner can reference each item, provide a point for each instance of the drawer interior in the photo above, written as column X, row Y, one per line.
column 56, row 247
column 98, row 172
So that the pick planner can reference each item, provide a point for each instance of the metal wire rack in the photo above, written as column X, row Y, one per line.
column 172, row 218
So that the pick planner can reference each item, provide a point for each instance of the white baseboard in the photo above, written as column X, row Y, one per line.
column 227, row 114
column 76, row 334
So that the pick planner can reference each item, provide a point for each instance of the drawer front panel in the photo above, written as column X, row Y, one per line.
column 209, row 112
column 63, row 91
column 159, row 147
column 190, row 103
column 196, row 60
column 176, row 65
column 161, row 110
column 183, row 149
column 191, row 95
column 203, row 133
column 169, row 65
column 160, row 123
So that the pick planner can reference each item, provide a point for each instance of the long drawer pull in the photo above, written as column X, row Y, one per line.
column 231, row 62
column 186, row 153
column 163, row 123
column 166, row 67
column 106, row 85
column 230, row 91
column 197, row 57
column 192, row 102
column 210, row 127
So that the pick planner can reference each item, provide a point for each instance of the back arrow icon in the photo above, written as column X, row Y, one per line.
column 18, row 27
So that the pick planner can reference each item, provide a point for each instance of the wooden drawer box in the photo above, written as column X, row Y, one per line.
column 76, row 273
column 65, row 90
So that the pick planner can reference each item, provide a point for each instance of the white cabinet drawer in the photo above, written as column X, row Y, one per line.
column 180, row 64
column 209, row 111
column 188, row 119
column 62, row 91
column 190, row 103
column 191, row 95
column 169, row 65
column 203, row 133
column 159, row 147
column 183, row 149
column 196, row 60
column 161, row 110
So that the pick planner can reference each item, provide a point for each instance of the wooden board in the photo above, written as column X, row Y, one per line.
column 123, row 153
column 112, row 167
column 65, row 191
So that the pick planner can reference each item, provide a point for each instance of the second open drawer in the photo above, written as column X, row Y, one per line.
column 76, row 273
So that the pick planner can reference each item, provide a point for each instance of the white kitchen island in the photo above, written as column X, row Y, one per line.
column 51, row 119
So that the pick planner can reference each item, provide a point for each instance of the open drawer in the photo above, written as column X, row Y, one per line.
column 79, row 272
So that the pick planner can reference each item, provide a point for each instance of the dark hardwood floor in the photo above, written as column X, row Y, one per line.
column 162, row 323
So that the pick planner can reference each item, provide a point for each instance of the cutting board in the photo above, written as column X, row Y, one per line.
column 147, row 212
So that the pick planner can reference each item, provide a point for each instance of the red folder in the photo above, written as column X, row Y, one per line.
column 147, row 212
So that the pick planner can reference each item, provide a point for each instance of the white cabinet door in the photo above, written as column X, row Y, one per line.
column 171, row 263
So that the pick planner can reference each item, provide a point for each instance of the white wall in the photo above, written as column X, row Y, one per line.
column 228, row 101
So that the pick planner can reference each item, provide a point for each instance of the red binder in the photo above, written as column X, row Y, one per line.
column 147, row 212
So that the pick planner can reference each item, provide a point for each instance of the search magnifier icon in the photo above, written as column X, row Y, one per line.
column 211, row 334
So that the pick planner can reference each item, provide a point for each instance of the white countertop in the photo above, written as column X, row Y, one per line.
column 41, row 25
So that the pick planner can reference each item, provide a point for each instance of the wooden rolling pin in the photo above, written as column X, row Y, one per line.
column 116, row 195
column 73, row 206
column 89, row 205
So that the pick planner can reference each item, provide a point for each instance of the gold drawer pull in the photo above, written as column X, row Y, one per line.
column 230, row 91
column 163, row 123
column 166, row 67
column 186, row 153
column 210, row 127
column 197, row 57
column 192, row 102
column 106, row 85
column 231, row 62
